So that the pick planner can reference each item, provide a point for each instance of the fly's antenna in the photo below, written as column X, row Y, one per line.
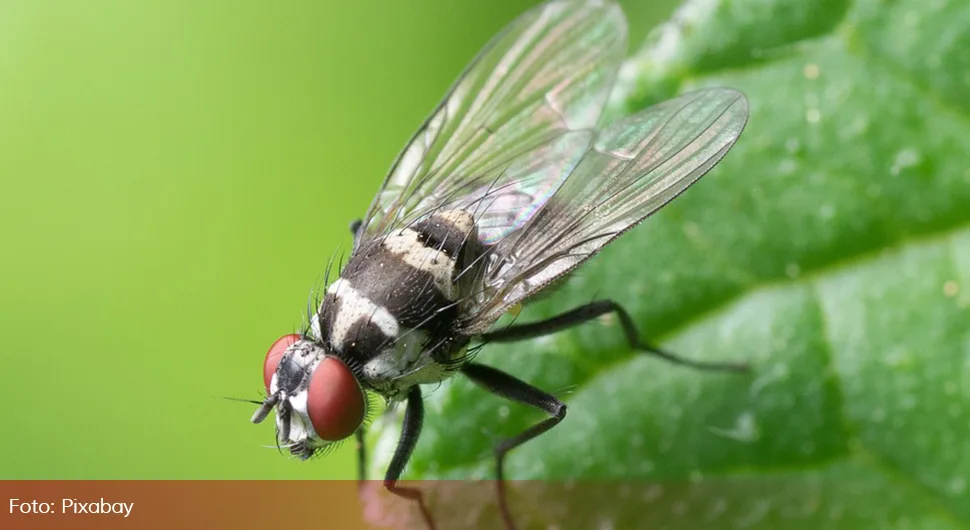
column 265, row 407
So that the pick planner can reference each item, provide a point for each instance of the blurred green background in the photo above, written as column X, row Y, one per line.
column 176, row 175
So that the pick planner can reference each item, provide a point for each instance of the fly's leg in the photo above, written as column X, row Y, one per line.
column 508, row 387
column 361, row 457
column 355, row 227
column 590, row 311
column 413, row 419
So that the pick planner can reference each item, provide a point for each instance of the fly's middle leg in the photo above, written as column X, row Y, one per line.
column 508, row 387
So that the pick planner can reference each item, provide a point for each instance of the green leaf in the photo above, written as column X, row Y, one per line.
column 830, row 250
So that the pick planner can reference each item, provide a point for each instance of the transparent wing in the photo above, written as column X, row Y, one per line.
column 634, row 167
column 513, row 126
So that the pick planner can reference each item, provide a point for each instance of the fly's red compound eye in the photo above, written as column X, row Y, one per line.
column 335, row 402
column 274, row 355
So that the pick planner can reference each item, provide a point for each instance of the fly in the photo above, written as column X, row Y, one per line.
column 507, row 187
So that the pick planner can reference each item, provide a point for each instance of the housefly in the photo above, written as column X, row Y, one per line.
column 509, row 185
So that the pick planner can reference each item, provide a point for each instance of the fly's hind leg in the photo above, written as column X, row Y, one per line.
column 508, row 387
column 590, row 311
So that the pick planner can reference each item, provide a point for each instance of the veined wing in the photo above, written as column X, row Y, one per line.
column 513, row 126
column 635, row 166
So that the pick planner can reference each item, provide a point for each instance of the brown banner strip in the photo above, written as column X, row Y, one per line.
column 343, row 505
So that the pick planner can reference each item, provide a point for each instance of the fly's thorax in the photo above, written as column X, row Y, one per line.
column 406, row 280
column 394, row 310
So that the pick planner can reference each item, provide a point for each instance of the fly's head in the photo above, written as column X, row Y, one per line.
column 317, row 397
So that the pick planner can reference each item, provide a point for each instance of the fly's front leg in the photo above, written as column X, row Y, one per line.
column 590, row 311
column 508, row 387
column 413, row 419
column 361, row 458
